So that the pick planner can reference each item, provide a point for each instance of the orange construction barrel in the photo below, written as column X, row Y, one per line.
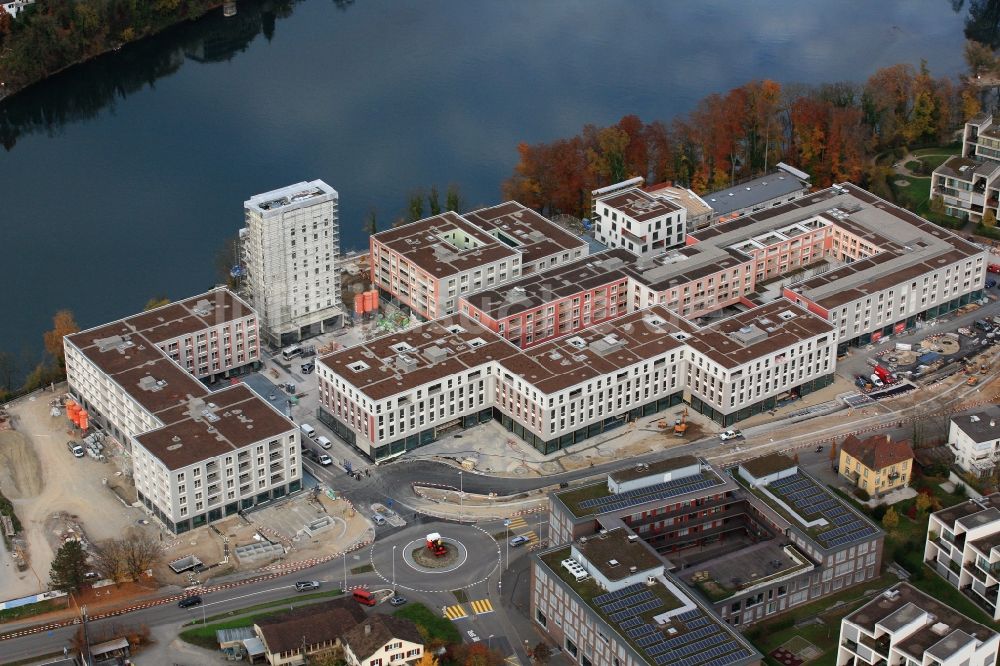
column 375, row 300
column 359, row 304
column 368, row 301
column 84, row 420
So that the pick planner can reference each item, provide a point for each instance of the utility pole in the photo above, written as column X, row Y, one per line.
column 393, row 571
column 305, row 659
column 87, row 660
column 461, row 497
column 345, row 572
column 506, row 541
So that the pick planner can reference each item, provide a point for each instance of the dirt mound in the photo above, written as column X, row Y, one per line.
column 20, row 473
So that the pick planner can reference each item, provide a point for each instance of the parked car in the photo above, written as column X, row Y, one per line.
column 308, row 367
column 398, row 600
column 730, row 434
column 306, row 585
column 991, row 283
column 188, row 602
column 877, row 382
column 519, row 540
column 325, row 460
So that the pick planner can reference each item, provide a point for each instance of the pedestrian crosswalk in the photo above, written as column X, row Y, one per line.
column 481, row 606
column 455, row 612
column 517, row 523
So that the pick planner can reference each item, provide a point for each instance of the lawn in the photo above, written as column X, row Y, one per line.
column 28, row 610
column 204, row 635
column 364, row 568
column 432, row 626
column 572, row 498
column 916, row 197
column 271, row 604
column 950, row 149
column 770, row 635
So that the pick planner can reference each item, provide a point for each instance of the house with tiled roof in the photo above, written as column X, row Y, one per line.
column 382, row 640
column 877, row 464
column 312, row 629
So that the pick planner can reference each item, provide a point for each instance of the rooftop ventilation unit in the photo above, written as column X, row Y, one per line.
column 749, row 335
column 577, row 341
column 358, row 366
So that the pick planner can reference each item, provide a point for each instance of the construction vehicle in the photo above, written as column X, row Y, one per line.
column 435, row 545
column 972, row 381
column 681, row 424
column 983, row 369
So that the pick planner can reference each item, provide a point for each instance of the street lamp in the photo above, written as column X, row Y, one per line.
column 489, row 642
column 461, row 497
column 393, row 571
column 506, row 541
column 345, row 571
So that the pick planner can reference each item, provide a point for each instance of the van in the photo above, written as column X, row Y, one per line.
column 324, row 442
column 75, row 448
column 307, row 429
column 378, row 519
column 364, row 597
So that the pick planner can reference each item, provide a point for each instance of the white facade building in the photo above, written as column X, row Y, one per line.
column 214, row 457
column 963, row 547
column 974, row 437
column 196, row 454
column 628, row 217
column 401, row 391
column 905, row 626
column 290, row 246
column 124, row 373
column 16, row 7
column 382, row 640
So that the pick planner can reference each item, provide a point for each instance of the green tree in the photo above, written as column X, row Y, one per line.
column 69, row 567
column 155, row 302
column 434, row 201
column 989, row 219
column 415, row 210
column 452, row 201
column 371, row 223
column 937, row 204
column 923, row 502
column 890, row 520
column 979, row 57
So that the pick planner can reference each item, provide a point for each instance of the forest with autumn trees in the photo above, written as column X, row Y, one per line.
column 832, row 131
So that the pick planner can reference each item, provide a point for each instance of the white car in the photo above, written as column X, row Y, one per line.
column 730, row 434
column 877, row 382
column 325, row 460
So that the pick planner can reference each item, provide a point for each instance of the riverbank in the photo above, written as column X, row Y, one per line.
column 28, row 55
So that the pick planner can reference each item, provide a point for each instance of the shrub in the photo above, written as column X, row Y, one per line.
column 862, row 494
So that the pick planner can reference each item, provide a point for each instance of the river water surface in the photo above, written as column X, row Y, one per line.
column 122, row 178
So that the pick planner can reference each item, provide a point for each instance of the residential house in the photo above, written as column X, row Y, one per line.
column 974, row 438
column 316, row 628
column 381, row 640
column 877, row 464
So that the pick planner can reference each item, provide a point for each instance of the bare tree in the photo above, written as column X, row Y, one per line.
column 141, row 553
column 109, row 559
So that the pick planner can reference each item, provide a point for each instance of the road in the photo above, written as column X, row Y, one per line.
column 478, row 577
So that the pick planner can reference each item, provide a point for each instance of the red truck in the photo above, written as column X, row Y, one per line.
column 884, row 374
column 993, row 268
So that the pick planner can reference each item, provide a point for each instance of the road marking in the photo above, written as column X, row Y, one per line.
column 252, row 594
column 532, row 537
column 455, row 612
column 517, row 523
column 481, row 606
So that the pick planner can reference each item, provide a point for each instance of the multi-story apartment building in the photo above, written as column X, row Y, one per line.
column 425, row 266
column 608, row 600
column 783, row 185
column 752, row 542
column 122, row 371
column 968, row 183
column 403, row 390
column 963, row 547
column 137, row 379
column 215, row 456
column 905, row 626
column 974, row 437
column 626, row 216
column 290, row 246
column 893, row 268
column 876, row 464
column 562, row 300
column 699, row 213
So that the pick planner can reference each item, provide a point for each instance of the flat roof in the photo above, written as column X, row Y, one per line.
column 769, row 464
column 643, row 470
column 981, row 424
column 952, row 514
column 944, row 629
column 659, row 622
column 965, row 168
column 537, row 289
column 597, row 499
column 778, row 183
column 818, row 513
column 682, row 196
column 640, row 205
column 613, row 553
column 488, row 235
column 290, row 195
column 399, row 362
column 212, row 425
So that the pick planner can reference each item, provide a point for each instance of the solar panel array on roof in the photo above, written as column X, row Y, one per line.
column 811, row 502
column 656, row 491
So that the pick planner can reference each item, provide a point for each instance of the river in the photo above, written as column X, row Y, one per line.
column 124, row 177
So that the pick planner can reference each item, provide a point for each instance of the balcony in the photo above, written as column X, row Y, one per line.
column 879, row 646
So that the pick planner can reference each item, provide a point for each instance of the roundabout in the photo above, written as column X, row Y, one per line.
column 436, row 557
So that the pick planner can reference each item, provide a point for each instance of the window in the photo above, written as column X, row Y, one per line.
column 571, row 648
